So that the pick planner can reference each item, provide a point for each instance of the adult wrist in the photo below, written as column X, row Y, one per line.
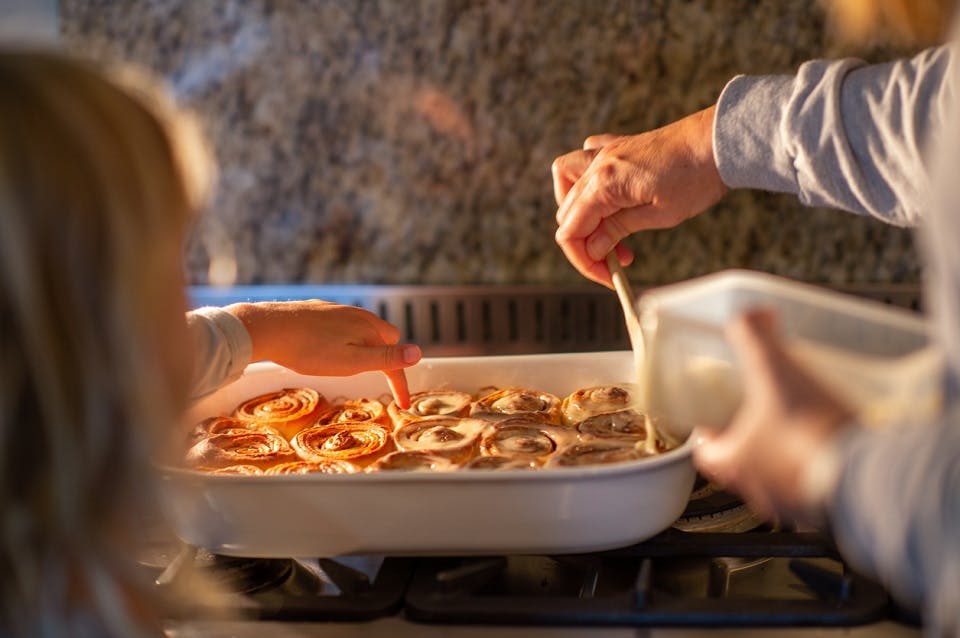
column 705, row 152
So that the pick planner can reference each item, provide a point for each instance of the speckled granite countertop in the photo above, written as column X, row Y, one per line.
column 400, row 141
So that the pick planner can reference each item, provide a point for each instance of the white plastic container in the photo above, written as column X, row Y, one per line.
column 876, row 358
column 562, row 510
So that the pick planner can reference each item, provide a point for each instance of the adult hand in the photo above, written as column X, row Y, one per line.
column 619, row 185
column 327, row 339
column 782, row 432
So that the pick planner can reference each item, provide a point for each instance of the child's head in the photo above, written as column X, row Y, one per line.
column 99, row 178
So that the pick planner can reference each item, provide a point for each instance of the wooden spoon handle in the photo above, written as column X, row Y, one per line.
column 629, row 304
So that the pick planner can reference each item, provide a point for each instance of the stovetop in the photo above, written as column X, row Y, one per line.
column 677, row 583
column 719, row 570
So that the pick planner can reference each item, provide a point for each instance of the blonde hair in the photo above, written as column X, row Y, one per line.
column 99, row 176
column 901, row 22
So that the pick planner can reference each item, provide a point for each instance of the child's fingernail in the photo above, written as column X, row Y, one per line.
column 410, row 354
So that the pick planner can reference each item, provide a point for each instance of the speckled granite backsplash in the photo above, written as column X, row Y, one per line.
column 400, row 141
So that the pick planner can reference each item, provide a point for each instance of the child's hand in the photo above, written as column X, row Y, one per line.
column 327, row 339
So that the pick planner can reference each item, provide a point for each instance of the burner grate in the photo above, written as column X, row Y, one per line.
column 294, row 590
column 676, row 579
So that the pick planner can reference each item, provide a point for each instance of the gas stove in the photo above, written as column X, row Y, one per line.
column 717, row 570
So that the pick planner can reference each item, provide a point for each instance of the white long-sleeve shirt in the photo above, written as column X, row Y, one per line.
column 877, row 140
column 222, row 349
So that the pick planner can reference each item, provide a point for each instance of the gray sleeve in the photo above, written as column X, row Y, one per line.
column 222, row 349
column 896, row 515
column 841, row 134
column 868, row 139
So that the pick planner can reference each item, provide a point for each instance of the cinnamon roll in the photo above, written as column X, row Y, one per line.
column 223, row 425
column 447, row 436
column 625, row 424
column 355, row 411
column 412, row 462
column 498, row 463
column 517, row 402
column 327, row 466
column 524, row 438
column 358, row 443
column 288, row 410
column 241, row 447
column 431, row 403
column 588, row 402
column 595, row 453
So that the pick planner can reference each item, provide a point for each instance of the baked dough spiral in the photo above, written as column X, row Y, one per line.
column 588, row 402
column 452, row 437
column 412, row 462
column 524, row 438
column 595, row 453
column 625, row 424
column 431, row 403
column 355, row 411
column 223, row 425
column 518, row 402
column 288, row 410
column 261, row 448
column 359, row 443
column 327, row 466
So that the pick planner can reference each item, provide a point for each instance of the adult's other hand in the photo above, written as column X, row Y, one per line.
column 777, row 451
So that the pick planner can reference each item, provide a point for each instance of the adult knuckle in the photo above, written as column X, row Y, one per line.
column 607, row 172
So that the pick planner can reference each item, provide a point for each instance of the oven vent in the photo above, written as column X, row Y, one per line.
column 475, row 320
column 485, row 320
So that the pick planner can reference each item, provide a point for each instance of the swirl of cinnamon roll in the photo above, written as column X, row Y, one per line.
column 595, row 453
column 246, row 470
column 288, row 410
column 431, row 403
column 524, row 438
column 223, row 425
column 451, row 437
column 518, row 402
column 407, row 461
column 327, row 466
column 241, row 447
column 588, row 402
column 354, row 411
column 358, row 443
column 625, row 424
column 498, row 463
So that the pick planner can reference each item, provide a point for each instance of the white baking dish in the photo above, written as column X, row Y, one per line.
column 563, row 510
